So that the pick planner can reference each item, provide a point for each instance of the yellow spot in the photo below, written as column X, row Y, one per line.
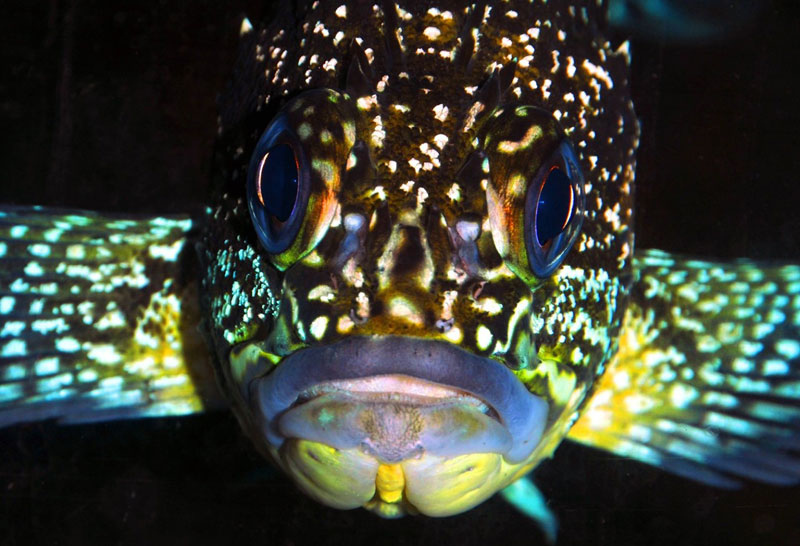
column 245, row 27
column 402, row 308
column 325, row 169
column 345, row 324
column 454, row 335
column 390, row 482
column 511, row 146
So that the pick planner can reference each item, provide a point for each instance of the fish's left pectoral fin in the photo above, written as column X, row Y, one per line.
column 526, row 497
column 706, row 381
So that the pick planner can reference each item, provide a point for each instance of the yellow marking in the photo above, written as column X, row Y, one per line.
column 390, row 482
column 511, row 146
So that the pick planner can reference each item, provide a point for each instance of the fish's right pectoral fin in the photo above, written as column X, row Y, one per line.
column 98, row 318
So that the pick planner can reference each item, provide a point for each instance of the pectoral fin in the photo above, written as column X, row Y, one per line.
column 98, row 318
column 526, row 497
column 706, row 383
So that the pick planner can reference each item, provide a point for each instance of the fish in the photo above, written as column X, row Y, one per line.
column 162, row 241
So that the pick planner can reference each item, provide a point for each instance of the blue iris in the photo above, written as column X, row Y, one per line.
column 554, row 207
column 278, row 182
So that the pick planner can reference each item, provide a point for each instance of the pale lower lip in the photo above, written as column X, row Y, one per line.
column 395, row 418
column 438, row 371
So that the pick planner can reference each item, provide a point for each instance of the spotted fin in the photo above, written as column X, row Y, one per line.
column 97, row 318
column 706, row 383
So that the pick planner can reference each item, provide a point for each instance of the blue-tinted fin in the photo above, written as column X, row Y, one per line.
column 706, row 383
column 526, row 497
column 682, row 21
column 98, row 318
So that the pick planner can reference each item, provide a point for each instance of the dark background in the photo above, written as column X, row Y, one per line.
column 110, row 105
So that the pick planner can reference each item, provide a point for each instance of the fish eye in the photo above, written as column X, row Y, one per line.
column 276, row 184
column 275, row 187
column 554, row 210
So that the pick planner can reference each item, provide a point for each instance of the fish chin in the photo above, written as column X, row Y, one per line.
column 397, row 424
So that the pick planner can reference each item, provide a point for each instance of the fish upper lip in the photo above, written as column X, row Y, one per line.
column 520, row 412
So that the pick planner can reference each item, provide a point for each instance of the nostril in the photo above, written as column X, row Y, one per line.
column 477, row 288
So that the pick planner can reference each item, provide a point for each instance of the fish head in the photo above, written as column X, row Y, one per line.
column 418, row 263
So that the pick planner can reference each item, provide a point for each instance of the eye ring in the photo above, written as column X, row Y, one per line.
column 554, row 210
column 276, row 216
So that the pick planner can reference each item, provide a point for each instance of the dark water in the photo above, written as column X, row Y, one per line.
column 111, row 106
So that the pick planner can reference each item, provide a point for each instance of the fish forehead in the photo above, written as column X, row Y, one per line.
column 563, row 65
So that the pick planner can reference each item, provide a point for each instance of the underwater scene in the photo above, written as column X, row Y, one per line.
column 113, row 107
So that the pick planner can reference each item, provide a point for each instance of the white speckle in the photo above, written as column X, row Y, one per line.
column 10, row 392
column 167, row 253
column 112, row 319
column 112, row 383
column 432, row 33
column 484, row 337
column 46, row 366
column 422, row 195
column 440, row 140
column 39, row 249
column 788, row 348
column 15, row 347
column 454, row 192
column 46, row 326
column 775, row 367
column 87, row 376
column 33, row 269
column 67, row 345
column 318, row 327
column 12, row 328
column 440, row 112
column 341, row 11
column 6, row 304
column 104, row 354
column 488, row 305
column 14, row 372
column 18, row 232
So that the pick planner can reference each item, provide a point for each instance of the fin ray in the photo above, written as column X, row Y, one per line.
column 98, row 317
column 705, row 381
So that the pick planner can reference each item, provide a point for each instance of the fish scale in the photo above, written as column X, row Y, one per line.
column 396, row 185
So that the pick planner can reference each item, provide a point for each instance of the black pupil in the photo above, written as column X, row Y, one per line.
column 554, row 208
column 278, row 182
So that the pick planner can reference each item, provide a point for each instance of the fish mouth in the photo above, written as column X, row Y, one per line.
column 398, row 398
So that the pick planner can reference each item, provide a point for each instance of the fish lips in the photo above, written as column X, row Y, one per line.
column 397, row 397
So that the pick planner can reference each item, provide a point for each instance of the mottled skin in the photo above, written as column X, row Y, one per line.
column 422, row 105
column 420, row 131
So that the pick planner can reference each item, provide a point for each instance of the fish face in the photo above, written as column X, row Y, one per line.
column 419, row 260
